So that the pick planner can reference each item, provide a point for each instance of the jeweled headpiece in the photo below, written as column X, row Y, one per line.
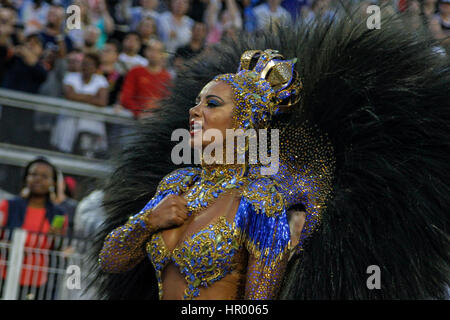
column 264, row 84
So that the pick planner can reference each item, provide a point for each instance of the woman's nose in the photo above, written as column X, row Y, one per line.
column 194, row 111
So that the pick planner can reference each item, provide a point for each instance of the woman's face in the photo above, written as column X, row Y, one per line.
column 213, row 110
column 147, row 28
column 39, row 179
column 88, row 66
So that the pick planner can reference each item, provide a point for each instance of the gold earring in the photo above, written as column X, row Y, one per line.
column 25, row 192
column 51, row 190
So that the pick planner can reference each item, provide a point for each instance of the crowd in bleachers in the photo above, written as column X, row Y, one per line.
column 126, row 53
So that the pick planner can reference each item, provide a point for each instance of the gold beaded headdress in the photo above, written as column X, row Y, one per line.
column 265, row 83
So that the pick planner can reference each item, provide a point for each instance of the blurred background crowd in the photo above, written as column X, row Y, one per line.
column 126, row 53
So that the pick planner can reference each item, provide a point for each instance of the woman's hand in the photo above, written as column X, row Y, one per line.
column 169, row 213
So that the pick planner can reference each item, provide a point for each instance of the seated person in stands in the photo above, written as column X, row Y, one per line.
column 129, row 57
column 25, row 72
column 144, row 86
column 87, row 86
column 81, row 135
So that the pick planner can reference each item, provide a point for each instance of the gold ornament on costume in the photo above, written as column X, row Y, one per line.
column 264, row 84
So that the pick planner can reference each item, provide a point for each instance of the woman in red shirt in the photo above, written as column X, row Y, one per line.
column 144, row 86
column 34, row 212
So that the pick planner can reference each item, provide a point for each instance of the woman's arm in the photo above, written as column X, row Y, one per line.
column 268, row 256
column 124, row 247
column 267, row 239
column 234, row 13
column 100, row 99
column 107, row 19
column 264, row 281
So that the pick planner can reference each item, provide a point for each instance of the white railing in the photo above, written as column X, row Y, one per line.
column 20, row 155
column 37, row 266
column 36, row 102
column 70, row 164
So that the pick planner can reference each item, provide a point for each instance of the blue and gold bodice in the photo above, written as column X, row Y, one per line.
column 259, row 227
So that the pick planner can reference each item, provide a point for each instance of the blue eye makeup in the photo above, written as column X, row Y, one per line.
column 212, row 103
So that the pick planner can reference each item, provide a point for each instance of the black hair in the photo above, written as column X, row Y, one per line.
column 93, row 56
column 33, row 35
column 115, row 43
column 135, row 33
column 75, row 49
column 41, row 160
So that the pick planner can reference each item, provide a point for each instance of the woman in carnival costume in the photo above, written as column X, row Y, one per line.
column 364, row 143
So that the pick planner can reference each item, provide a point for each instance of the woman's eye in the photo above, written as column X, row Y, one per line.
column 213, row 103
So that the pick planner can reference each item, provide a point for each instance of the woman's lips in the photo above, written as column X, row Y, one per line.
column 196, row 127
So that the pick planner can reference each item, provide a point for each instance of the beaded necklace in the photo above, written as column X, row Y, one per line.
column 214, row 180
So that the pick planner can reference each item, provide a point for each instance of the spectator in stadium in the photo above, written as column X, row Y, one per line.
column 35, row 209
column 295, row 7
column 271, row 12
column 220, row 24
column 322, row 9
column 83, row 136
column 195, row 46
column 412, row 18
column 91, row 35
column 250, row 21
column 389, row 7
column 36, row 212
column 429, row 8
column 102, row 20
column 112, row 69
column 197, row 9
column 144, row 86
column 175, row 26
column 53, row 86
column 10, row 27
column 65, row 199
column 87, row 86
column 74, row 60
column 97, row 16
column 9, row 36
column 147, row 9
column 130, row 57
column 121, row 13
column 23, row 72
column 33, row 14
column 147, row 31
column 25, row 61
column 440, row 23
column 53, row 35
